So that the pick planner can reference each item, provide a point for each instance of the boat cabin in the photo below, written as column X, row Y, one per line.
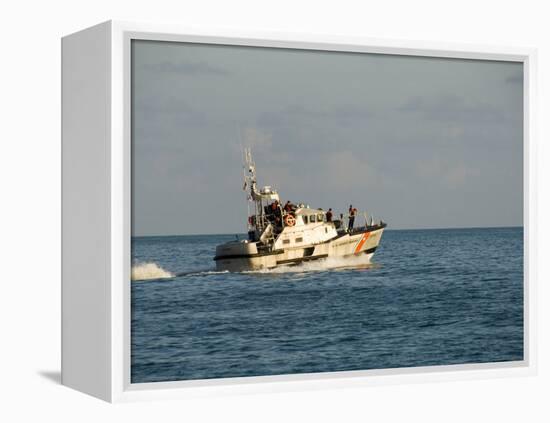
column 309, row 228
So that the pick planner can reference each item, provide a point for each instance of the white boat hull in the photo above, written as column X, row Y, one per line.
column 245, row 256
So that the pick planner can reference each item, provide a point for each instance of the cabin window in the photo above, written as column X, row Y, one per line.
column 312, row 218
column 299, row 239
column 305, row 219
column 286, row 241
column 326, row 230
column 320, row 217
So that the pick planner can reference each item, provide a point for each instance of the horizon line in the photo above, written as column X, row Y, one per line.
column 386, row 229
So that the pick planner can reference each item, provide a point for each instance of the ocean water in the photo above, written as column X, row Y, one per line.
column 430, row 297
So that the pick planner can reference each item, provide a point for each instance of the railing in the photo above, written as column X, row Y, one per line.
column 262, row 221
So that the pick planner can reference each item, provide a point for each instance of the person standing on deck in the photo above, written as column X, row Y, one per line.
column 289, row 207
column 329, row 215
column 352, row 212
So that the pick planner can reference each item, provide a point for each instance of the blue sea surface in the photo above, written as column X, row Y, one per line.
column 431, row 297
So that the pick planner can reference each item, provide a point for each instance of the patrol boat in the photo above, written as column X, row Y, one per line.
column 286, row 236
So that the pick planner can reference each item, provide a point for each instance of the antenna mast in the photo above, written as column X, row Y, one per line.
column 249, row 170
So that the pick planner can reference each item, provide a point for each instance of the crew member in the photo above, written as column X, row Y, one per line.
column 329, row 215
column 352, row 212
column 289, row 207
column 276, row 210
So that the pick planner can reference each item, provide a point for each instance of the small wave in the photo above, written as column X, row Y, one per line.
column 202, row 272
column 149, row 271
column 329, row 263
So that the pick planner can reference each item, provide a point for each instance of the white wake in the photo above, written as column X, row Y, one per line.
column 148, row 271
column 320, row 265
column 152, row 271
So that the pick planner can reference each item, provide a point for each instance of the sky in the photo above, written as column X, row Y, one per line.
column 419, row 142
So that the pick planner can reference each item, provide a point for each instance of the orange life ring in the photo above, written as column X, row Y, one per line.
column 290, row 220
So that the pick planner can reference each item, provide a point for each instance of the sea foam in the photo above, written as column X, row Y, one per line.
column 329, row 263
column 148, row 271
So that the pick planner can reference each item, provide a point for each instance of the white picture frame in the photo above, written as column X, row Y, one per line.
column 96, row 212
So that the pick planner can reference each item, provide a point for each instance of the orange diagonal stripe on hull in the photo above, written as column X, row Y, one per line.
column 362, row 242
